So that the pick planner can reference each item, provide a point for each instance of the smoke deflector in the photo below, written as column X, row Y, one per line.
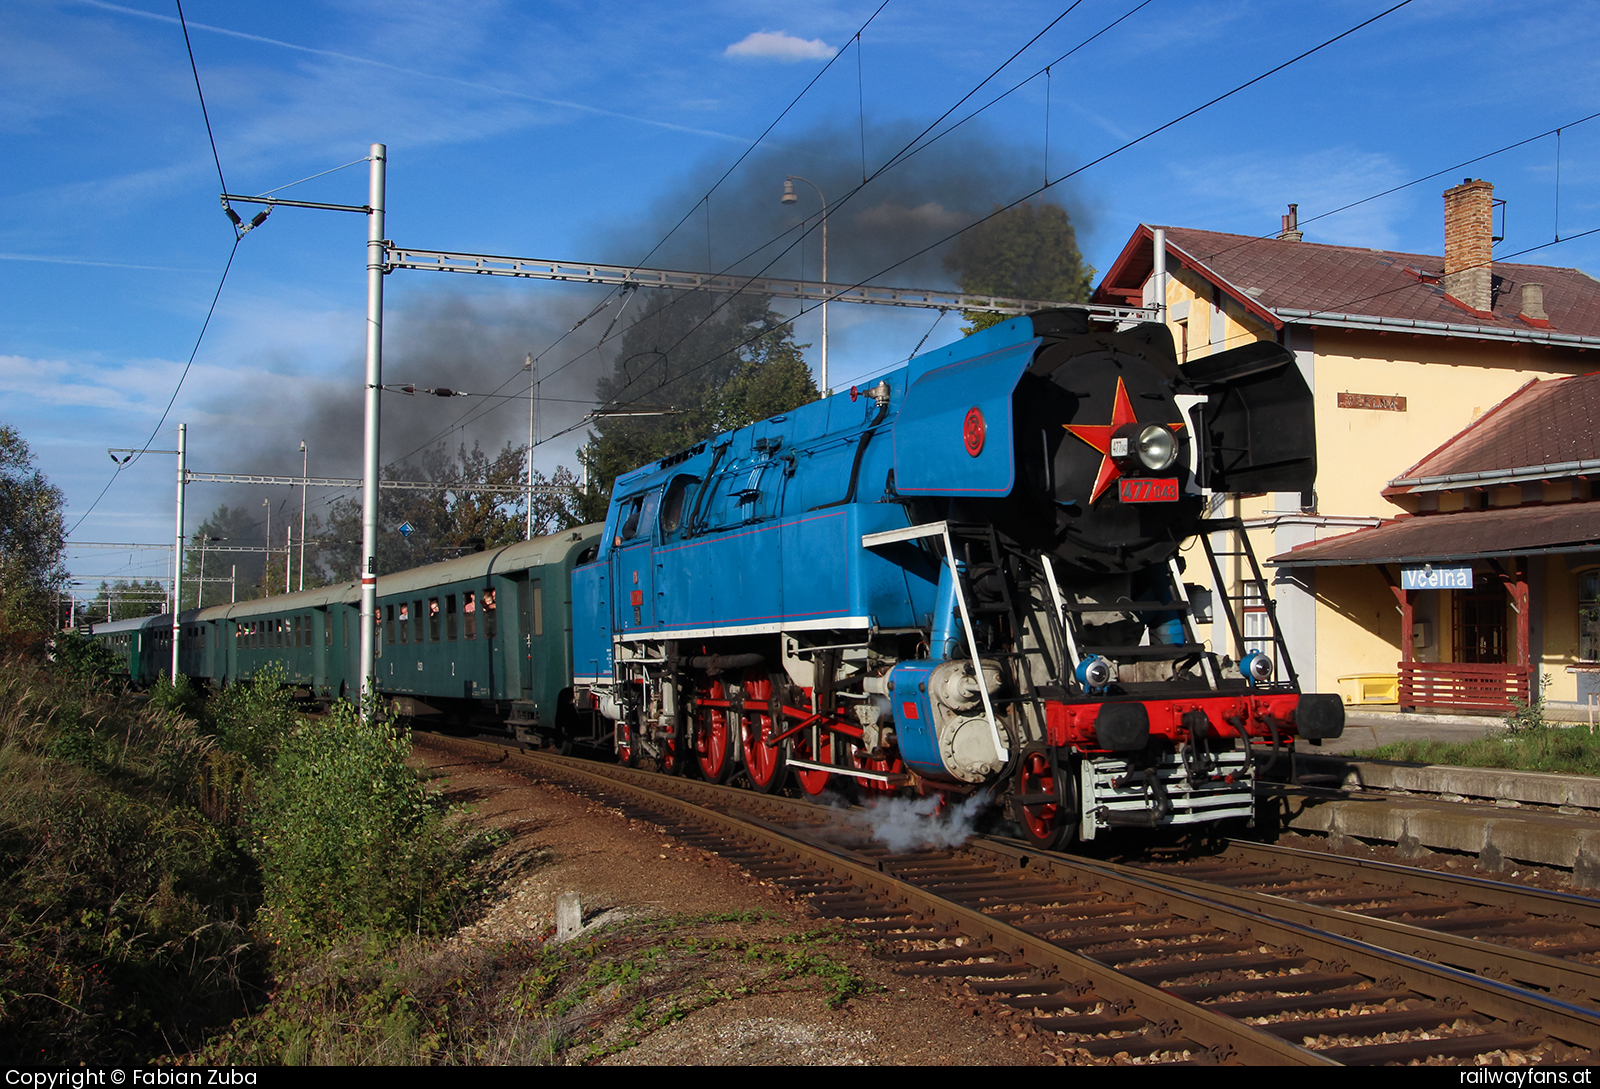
column 1258, row 422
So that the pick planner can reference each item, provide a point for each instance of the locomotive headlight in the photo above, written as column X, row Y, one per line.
column 1157, row 448
column 1257, row 667
column 1095, row 673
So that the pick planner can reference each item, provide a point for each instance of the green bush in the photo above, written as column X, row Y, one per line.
column 83, row 656
column 351, row 842
column 124, row 912
column 251, row 719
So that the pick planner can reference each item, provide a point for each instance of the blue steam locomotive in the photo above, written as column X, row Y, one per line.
column 963, row 578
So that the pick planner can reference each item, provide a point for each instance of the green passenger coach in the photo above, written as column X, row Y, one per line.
column 482, row 641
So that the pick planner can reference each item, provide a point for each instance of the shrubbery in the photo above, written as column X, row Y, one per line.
column 160, row 857
column 352, row 843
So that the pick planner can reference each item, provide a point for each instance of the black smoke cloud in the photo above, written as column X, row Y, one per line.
column 476, row 339
column 927, row 196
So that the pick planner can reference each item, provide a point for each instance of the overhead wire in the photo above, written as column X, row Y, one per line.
column 1078, row 170
column 692, row 209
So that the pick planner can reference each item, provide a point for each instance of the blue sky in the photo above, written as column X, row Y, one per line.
column 584, row 131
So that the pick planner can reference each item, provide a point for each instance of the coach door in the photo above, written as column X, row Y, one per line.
column 530, row 628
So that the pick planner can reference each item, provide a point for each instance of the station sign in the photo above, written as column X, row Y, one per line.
column 1436, row 577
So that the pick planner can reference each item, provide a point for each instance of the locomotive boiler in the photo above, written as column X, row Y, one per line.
column 964, row 578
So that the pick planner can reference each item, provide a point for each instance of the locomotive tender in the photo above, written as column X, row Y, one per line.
column 963, row 579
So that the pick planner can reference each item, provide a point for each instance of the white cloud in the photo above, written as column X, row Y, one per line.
column 779, row 46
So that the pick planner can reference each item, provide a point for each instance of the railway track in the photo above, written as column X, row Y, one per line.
column 1130, row 964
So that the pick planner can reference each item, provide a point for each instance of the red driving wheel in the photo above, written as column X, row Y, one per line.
column 712, row 742
column 762, row 762
column 1044, row 795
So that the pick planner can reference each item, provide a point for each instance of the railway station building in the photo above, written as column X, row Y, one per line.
column 1449, row 555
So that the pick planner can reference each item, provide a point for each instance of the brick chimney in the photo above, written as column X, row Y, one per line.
column 1469, row 243
column 1291, row 226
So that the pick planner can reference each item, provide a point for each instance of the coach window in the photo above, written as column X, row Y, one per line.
column 537, row 606
column 327, row 630
column 450, row 617
column 389, row 619
column 433, row 620
column 469, row 617
column 488, row 614
column 298, row 634
column 405, row 622
column 416, row 621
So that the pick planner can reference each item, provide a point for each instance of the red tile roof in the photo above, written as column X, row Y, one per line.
column 1564, row 527
column 1267, row 276
column 1545, row 423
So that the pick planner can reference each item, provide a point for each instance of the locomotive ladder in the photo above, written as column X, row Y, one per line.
column 1241, row 550
column 1046, row 647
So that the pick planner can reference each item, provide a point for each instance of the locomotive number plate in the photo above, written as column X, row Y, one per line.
column 1159, row 489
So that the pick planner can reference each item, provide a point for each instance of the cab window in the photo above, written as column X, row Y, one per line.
column 674, row 502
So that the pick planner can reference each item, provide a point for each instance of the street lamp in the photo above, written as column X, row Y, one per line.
column 266, row 565
column 532, row 367
column 789, row 197
column 200, row 590
column 305, row 462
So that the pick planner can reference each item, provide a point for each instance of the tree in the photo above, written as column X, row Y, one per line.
column 32, row 540
column 234, row 527
column 706, row 369
column 445, row 523
column 124, row 600
column 1026, row 252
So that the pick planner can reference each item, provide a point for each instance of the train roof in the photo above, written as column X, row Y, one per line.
column 535, row 553
column 155, row 622
column 553, row 548
column 111, row 627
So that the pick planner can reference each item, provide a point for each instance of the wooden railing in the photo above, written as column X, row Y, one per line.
column 1461, row 687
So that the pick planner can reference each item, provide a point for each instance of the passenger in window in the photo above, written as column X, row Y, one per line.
column 405, row 623
column 433, row 620
column 469, row 616
column 488, row 614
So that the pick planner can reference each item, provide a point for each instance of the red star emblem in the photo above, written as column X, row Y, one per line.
column 1099, row 437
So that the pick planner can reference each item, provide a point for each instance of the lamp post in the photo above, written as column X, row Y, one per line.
column 533, row 401
column 305, row 462
column 266, row 564
column 789, row 197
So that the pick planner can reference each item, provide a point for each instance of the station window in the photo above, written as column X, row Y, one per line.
column 469, row 616
column 488, row 613
column 433, row 620
column 389, row 617
column 405, row 622
column 1589, row 616
column 450, row 617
